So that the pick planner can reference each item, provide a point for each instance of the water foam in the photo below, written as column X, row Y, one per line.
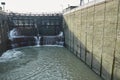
column 61, row 34
column 13, row 33
column 11, row 55
column 37, row 40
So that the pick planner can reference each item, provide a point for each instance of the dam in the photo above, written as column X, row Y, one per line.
column 81, row 43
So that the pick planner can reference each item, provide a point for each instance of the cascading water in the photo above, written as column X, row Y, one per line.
column 54, row 40
column 61, row 34
column 18, row 39
column 37, row 40
column 60, row 42
column 13, row 33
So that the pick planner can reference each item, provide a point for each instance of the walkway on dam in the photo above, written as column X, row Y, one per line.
column 43, row 63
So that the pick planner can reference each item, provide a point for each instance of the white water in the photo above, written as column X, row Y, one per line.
column 54, row 45
column 60, row 42
column 37, row 40
column 13, row 33
column 11, row 55
column 50, row 40
column 61, row 34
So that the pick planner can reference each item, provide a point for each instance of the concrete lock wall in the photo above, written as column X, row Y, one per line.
column 4, row 42
column 92, row 33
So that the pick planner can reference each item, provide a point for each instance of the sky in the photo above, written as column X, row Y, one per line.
column 38, row 6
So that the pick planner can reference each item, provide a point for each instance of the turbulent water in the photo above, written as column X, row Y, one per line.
column 43, row 63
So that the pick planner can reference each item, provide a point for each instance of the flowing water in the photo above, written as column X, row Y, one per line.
column 13, row 33
column 37, row 40
column 43, row 63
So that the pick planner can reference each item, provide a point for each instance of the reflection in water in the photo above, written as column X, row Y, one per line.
column 45, row 63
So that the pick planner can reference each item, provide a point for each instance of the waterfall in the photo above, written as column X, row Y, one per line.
column 37, row 40
column 13, row 33
column 19, row 40
column 61, row 34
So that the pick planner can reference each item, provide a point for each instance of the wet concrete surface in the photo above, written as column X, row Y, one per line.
column 44, row 63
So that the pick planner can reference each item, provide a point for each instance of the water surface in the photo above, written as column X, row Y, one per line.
column 44, row 63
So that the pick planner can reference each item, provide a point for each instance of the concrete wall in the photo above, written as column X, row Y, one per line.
column 4, row 43
column 47, row 24
column 92, row 33
column 33, row 25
